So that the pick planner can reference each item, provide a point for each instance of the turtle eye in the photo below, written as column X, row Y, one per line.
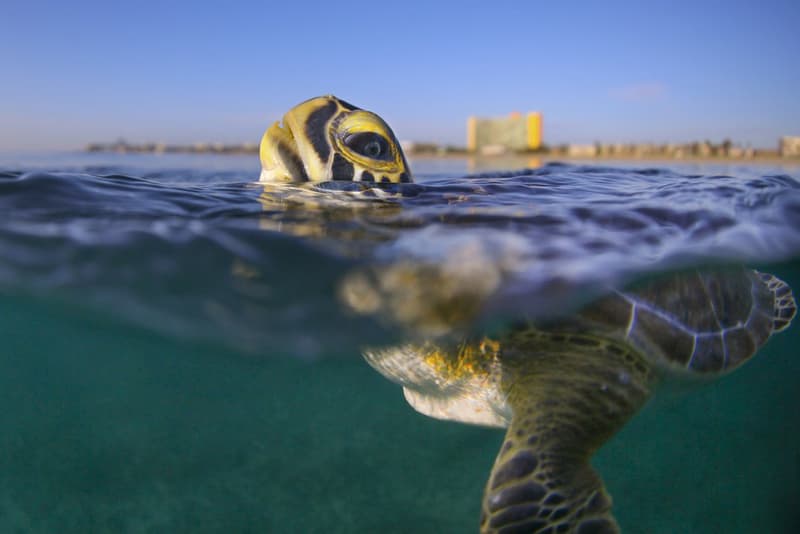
column 369, row 144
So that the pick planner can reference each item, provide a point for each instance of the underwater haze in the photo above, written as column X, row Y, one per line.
column 182, row 345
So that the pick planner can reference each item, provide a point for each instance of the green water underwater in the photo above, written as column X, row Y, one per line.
column 110, row 428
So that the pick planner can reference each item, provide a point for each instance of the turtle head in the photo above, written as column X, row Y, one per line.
column 328, row 139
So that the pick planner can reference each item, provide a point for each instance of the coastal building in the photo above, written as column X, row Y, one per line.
column 581, row 151
column 514, row 133
column 789, row 146
column 420, row 147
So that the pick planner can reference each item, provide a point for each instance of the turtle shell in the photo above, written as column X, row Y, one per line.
column 705, row 322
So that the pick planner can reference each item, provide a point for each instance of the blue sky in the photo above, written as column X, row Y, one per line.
column 75, row 72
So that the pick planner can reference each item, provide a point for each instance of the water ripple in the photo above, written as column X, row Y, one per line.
column 276, row 268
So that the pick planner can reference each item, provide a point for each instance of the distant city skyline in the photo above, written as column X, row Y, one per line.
column 677, row 71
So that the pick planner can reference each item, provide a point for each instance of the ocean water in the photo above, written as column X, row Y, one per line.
column 182, row 346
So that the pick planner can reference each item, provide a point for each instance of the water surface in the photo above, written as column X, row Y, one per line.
column 183, row 345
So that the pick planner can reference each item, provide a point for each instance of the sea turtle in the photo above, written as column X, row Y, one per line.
column 326, row 138
column 562, row 387
column 566, row 386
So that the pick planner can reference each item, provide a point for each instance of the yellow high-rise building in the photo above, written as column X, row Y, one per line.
column 515, row 132
column 534, row 130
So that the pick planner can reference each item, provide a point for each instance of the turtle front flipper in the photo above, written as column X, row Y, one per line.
column 569, row 393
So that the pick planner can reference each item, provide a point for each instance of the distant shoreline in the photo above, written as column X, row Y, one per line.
column 511, row 157
column 121, row 147
column 552, row 158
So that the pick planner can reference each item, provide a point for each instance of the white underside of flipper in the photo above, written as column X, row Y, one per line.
column 473, row 398
column 465, row 408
